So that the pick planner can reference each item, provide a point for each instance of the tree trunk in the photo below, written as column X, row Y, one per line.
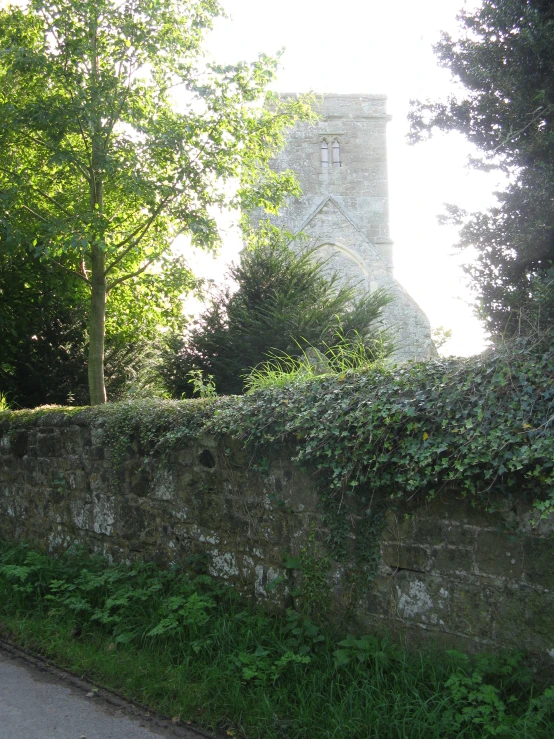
column 97, row 317
column 97, row 321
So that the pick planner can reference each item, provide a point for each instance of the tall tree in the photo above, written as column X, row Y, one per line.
column 116, row 136
column 504, row 60
column 43, row 352
column 285, row 301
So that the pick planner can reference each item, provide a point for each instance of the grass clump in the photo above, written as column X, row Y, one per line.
column 185, row 645
column 348, row 353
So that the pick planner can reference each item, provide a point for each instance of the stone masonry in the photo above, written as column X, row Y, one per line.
column 447, row 572
column 341, row 164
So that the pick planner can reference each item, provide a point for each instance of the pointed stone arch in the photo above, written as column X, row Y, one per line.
column 346, row 253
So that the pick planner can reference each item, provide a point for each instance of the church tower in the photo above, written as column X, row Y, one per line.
column 341, row 164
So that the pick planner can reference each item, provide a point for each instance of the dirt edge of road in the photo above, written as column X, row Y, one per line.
column 179, row 730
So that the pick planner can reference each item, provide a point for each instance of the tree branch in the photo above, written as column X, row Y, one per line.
column 115, row 117
column 133, row 274
column 71, row 271
column 44, row 220
column 144, row 228
column 134, row 241
column 81, row 167
column 85, row 142
column 148, row 263
column 537, row 114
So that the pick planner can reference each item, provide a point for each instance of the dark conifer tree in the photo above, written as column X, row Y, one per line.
column 285, row 301
column 504, row 59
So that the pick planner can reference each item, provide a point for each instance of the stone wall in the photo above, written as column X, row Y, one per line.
column 446, row 571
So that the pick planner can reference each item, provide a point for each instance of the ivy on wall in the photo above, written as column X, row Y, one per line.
column 482, row 426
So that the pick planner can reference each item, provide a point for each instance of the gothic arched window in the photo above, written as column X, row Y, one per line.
column 336, row 153
column 324, row 153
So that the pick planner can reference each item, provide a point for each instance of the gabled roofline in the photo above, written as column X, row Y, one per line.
column 319, row 208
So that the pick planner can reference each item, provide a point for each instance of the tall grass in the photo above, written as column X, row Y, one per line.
column 345, row 354
column 187, row 646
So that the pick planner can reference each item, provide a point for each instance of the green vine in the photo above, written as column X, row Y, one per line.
column 314, row 567
column 368, row 534
column 481, row 427
column 147, row 427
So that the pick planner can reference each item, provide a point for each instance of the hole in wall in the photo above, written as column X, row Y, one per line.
column 206, row 459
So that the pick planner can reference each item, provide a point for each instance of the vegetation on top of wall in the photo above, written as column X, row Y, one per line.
column 12, row 419
column 481, row 425
column 155, row 426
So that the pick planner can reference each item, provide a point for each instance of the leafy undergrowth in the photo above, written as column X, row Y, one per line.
column 186, row 646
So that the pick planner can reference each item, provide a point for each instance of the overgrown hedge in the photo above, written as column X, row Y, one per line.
column 478, row 425
column 483, row 426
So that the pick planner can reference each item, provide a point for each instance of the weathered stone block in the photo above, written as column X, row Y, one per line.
column 525, row 619
column 451, row 506
column 405, row 557
column 49, row 443
column 399, row 527
column 437, row 532
column 458, row 534
column 453, row 559
column 8, row 465
column 499, row 554
column 539, row 561
column 439, row 507
column 381, row 596
column 473, row 605
column 18, row 442
column 185, row 457
column 428, row 531
column 421, row 598
column 72, row 440
column 138, row 481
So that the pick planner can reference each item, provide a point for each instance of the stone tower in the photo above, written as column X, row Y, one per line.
column 341, row 164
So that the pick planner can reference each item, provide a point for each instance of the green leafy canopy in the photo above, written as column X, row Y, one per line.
column 116, row 136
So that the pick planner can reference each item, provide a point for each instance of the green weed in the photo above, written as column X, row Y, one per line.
column 185, row 645
column 202, row 385
column 345, row 354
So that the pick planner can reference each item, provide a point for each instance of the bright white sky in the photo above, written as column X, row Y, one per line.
column 371, row 46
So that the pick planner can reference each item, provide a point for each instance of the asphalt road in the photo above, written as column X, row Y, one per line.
column 41, row 702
